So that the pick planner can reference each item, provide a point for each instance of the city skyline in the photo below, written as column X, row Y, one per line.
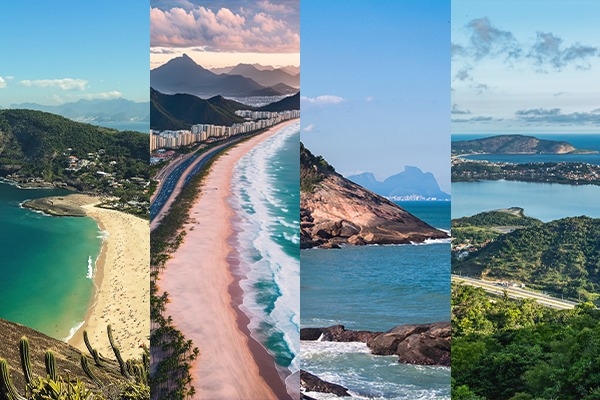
column 527, row 71
column 63, row 51
column 219, row 34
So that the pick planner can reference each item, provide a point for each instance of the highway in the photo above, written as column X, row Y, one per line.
column 178, row 174
column 516, row 293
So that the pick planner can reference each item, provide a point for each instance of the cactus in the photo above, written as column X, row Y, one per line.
column 50, row 364
column 96, row 357
column 86, row 368
column 117, row 353
column 25, row 359
column 6, row 386
column 86, row 340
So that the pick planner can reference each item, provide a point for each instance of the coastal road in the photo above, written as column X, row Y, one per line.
column 176, row 177
column 516, row 293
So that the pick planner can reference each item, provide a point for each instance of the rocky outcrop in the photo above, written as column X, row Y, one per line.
column 312, row 383
column 337, row 333
column 422, row 344
column 336, row 211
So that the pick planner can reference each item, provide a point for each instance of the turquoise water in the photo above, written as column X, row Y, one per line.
column 44, row 264
column 267, row 206
column 377, row 288
column 545, row 201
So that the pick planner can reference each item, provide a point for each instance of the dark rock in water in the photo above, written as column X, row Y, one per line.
column 422, row 344
column 313, row 383
column 337, row 333
column 305, row 397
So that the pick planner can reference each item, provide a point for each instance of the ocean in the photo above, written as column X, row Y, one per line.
column 545, row 201
column 376, row 288
column 138, row 126
column 46, row 264
column 267, row 208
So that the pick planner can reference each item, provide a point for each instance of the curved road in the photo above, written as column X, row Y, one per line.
column 516, row 293
column 177, row 175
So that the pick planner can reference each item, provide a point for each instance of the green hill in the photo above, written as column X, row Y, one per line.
column 507, row 217
column 42, row 149
column 511, row 144
column 181, row 111
column 561, row 257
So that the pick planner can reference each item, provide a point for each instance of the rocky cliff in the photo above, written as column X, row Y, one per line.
column 336, row 211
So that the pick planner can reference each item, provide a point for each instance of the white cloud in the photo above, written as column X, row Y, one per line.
column 113, row 94
column 64, row 83
column 323, row 99
column 2, row 83
column 369, row 98
column 309, row 128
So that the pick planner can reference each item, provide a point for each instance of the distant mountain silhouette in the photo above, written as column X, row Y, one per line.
column 411, row 183
column 267, row 78
column 98, row 110
column 184, row 75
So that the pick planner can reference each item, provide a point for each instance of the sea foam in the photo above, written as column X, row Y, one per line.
column 270, row 276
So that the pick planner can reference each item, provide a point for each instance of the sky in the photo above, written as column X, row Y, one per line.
column 376, row 85
column 61, row 51
column 525, row 66
column 221, row 33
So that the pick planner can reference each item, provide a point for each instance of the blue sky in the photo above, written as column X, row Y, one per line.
column 525, row 66
column 61, row 51
column 219, row 33
column 376, row 85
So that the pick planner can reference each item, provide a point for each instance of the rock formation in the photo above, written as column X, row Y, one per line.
column 336, row 211
column 421, row 344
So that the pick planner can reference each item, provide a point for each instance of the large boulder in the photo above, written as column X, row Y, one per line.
column 313, row 383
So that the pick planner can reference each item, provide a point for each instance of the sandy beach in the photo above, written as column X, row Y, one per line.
column 203, row 294
column 122, row 297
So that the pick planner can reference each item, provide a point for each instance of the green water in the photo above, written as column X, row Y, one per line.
column 44, row 264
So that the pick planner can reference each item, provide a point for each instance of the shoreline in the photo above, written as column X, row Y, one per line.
column 121, row 276
column 231, row 364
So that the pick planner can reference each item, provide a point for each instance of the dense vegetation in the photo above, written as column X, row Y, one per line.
column 509, row 217
column 561, row 257
column 518, row 350
column 506, row 144
column 40, row 147
column 313, row 169
column 181, row 111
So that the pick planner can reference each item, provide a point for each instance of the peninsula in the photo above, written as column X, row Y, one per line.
column 511, row 144
column 335, row 211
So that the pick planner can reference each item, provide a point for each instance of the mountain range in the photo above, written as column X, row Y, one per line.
column 511, row 144
column 181, row 111
column 184, row 75
column 98, row 110
column 411, row 184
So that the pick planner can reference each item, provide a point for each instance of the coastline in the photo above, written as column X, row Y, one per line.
column 121, row 277
column 231, row 364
